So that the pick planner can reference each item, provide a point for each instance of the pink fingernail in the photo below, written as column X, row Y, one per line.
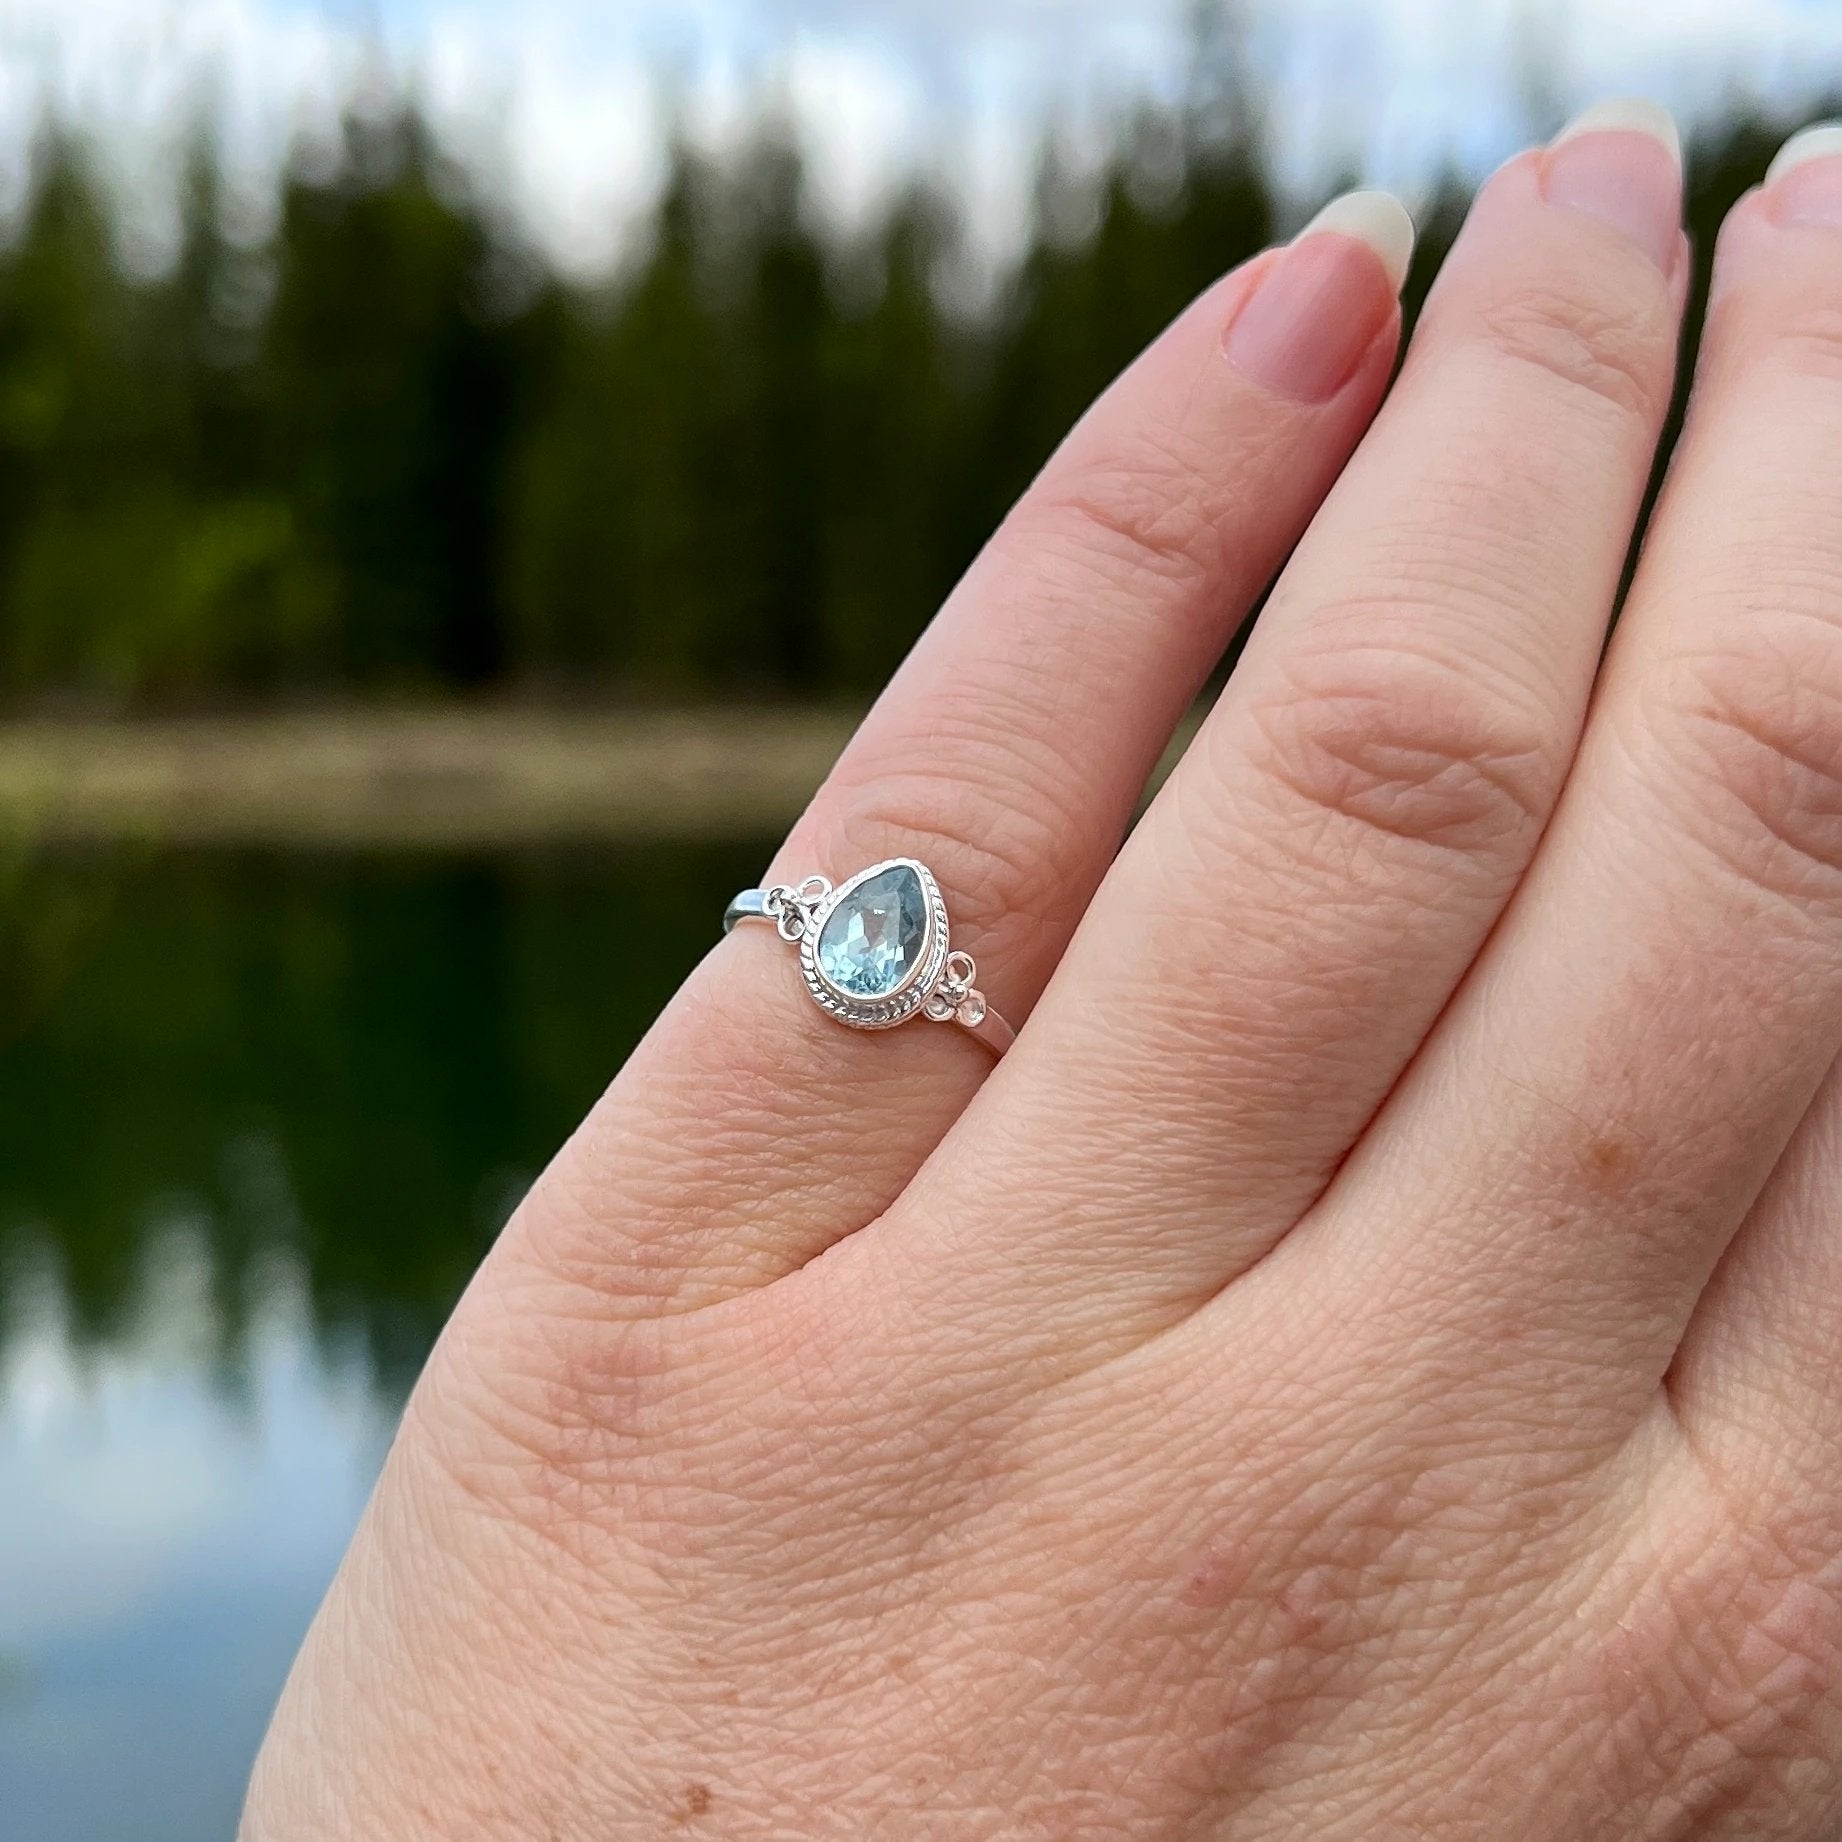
column 1621, row 162
column 1804, row 183
column 1326, row 299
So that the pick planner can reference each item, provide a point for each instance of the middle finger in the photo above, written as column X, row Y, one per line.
column 1596, row 1114
column 1298, row 905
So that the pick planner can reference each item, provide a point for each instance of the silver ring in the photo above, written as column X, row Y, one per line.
column 874, row 951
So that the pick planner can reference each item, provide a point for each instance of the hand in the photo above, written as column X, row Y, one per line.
column 1368, row 1364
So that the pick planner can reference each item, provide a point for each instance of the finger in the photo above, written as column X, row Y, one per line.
column 1293, row 913
column 1758, row 1379
column 749, row 1131
column 1601, row 1108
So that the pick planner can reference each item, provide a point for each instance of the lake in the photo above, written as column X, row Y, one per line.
column 260, row 1114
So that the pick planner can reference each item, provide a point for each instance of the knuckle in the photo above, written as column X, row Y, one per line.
column 1778, row 310
column 1608, row 343
column 556, row 1435
column 576, row 1423
column 1808, row 338
column 1757, row 752
column 988, row 814
column 1145, row 512
column 1407, row 746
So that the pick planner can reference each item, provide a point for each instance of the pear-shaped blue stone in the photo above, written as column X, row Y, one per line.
column 873, row 937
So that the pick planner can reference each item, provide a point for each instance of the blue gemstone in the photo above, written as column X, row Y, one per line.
column 872, row 939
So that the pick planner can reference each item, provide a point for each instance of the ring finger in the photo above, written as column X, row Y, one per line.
column 749, row 1131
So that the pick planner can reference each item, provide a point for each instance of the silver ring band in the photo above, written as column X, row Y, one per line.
column 750, row 905
column 874, row 950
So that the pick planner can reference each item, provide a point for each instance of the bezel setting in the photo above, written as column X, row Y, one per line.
column 918, row 983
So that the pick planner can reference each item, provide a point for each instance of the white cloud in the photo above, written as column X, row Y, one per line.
column 561, row 97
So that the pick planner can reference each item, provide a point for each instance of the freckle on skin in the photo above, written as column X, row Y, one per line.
column 1606, row 1154
column 696, row 1801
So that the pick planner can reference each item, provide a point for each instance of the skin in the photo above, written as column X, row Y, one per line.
column 1366, row 1364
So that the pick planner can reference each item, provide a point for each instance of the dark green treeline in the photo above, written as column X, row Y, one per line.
column 391, row 453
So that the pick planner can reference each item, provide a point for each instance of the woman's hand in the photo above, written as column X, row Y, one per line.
column 1368, row 1364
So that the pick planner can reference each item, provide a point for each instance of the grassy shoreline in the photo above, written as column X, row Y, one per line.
column 436, row 778
column 416, row 778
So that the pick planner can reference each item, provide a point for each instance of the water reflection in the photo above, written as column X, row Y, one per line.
column 258, row 1118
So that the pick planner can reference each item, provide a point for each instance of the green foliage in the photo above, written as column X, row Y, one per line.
column 267, row 1054
column 389, row 451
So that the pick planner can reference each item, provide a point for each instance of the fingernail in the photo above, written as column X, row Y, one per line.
column 1321, row 305
column 1621, row 162
column 1803, row 184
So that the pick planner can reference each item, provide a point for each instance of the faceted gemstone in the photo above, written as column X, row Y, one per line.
column 872, row 939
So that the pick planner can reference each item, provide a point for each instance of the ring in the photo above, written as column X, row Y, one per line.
column 874, row 951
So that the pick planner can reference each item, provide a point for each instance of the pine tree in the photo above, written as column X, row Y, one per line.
column 390, row 398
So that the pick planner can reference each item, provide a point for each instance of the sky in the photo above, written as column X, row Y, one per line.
column 561, row 99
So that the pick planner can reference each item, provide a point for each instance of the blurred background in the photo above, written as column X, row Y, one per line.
column 461, row 469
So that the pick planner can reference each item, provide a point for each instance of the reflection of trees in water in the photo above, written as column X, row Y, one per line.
column 351, row 1067
column 51, row 908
